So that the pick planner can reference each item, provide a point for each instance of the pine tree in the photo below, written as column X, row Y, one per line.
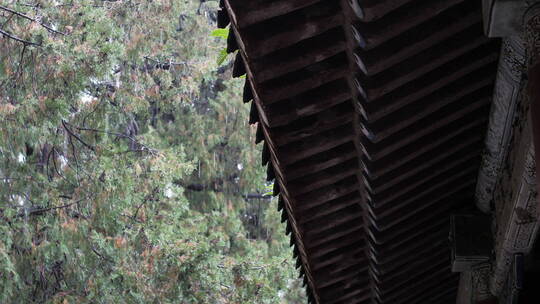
column 128, row 172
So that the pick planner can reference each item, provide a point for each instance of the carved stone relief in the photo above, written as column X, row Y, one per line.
column 531, row 20
column 518, row 224
column 507, row 182
column 480, row 283
column 503, row 111
column 514, row 194
column 515, row 198
column 514, row 282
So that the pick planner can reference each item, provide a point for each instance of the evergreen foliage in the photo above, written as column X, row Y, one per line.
column 128, row 172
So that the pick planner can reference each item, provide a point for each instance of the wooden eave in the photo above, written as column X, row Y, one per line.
column 372, row 115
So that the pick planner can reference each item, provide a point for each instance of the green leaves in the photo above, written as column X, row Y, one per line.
column 221, row 33
column 222, row 56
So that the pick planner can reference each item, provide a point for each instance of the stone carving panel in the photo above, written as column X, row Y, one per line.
column 480, row 282
column 503, row 114
column 518, row 225
column 531, row 20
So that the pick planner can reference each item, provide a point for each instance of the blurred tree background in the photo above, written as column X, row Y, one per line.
column 128, row 171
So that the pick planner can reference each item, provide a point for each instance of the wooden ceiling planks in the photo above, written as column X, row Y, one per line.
column 424, row 114
column 373, row 115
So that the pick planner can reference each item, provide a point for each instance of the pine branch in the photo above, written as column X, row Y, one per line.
column 214, row 188
column 50, row 29
column 165, row 63
column 13, row 37
column 43, row 210
column 39, row 211
column 257, row 196
column 77, row 137
column 120, row 135
column 146, row 199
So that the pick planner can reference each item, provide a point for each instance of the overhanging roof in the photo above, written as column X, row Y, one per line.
column 373, row 120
